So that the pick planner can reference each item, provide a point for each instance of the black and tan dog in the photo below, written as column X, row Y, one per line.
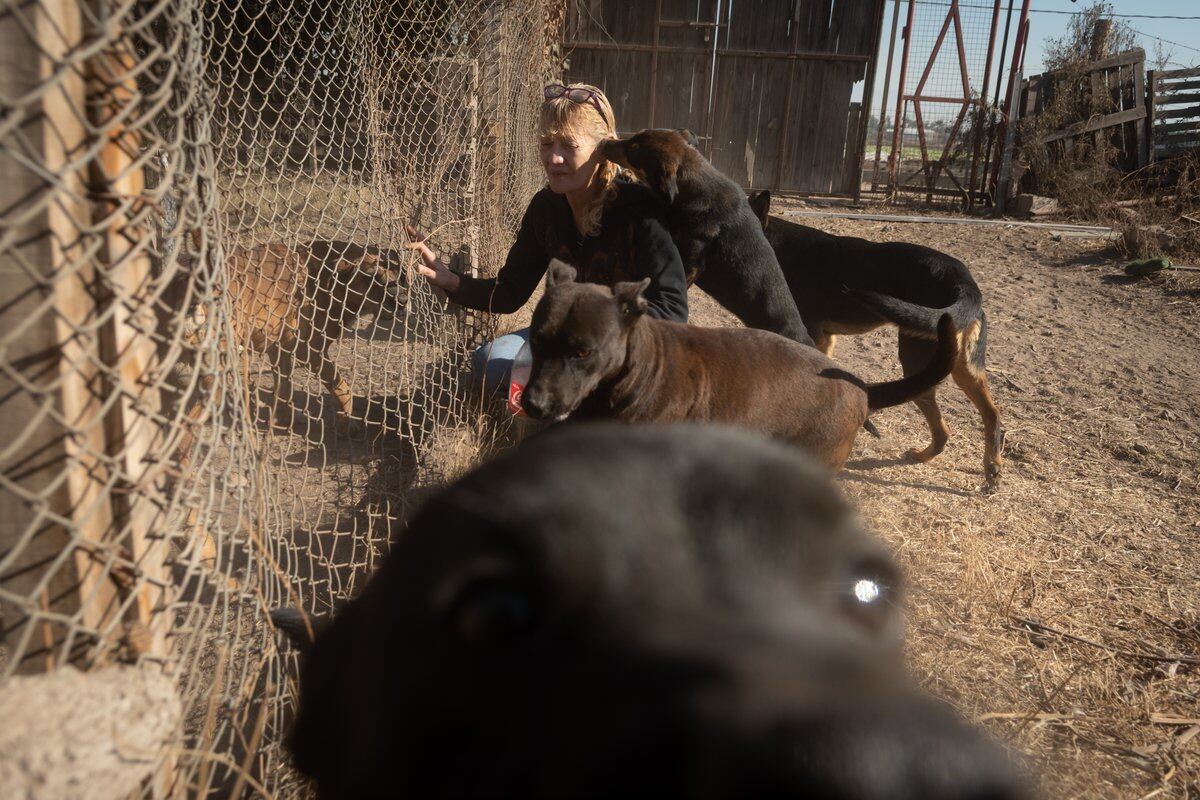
column 719, row 239
column 847, row 285
column 597, row 355
column 606, row 611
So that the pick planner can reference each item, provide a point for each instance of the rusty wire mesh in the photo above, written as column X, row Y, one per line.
column 201, row 199
column 947, row 55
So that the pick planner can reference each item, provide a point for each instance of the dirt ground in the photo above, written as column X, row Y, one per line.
column 1094, row 533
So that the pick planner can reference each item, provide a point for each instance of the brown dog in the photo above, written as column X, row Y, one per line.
column 288, row 303
column 596, row 355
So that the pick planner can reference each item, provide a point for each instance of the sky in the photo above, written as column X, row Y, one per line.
column 1181, row 37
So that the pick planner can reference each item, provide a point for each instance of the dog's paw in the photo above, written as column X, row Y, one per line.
column 350, row 428
column 917, row 456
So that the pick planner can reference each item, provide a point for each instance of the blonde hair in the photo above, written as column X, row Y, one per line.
column 564, row 117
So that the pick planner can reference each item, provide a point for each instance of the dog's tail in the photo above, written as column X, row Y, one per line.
column 893, row 393
column 922, row 321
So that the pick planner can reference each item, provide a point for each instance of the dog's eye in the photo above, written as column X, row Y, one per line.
column 493, row 612
column 582, row 352
column 869, row 597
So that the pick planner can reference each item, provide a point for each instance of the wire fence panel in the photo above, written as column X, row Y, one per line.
column 222, row 382
column 944, row 110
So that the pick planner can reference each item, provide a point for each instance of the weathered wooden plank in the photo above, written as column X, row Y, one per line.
column 1168, row 74
column 1176, row 99
column 1099, row 123
column 1178, row 113
column 1169, row 87
column 611, row 21
column 53, row 455
column 1170, row 127
column 649, row 48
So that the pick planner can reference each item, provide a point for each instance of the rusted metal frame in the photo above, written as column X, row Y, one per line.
column 941, row 164
column 954, row 16
column 921, row 139
column 916, row 97
column 989, row 147
column 1018, row 58
column 937, row 47
column 860, row 141
column 987, row 76
column 894, row 157
column 1008, row 141
column 962, row 52
column 704, row 51
column 658, row 21
column 883, row 103
column 929, row 98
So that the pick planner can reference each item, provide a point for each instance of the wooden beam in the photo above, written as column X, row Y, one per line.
column 1171, row 127
column 1178, row 113
column 125, row 290
column 1168, row 74
column 1165, row 99
column 1166, row 87
column 727, row 52
column 56, row 476
column 1099, row 123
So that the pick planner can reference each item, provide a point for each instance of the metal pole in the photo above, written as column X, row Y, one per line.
column 894, row 158
column 1017, row 60
column 987, row 150
column 883, row 103
column 860, row 140
column 987, row 77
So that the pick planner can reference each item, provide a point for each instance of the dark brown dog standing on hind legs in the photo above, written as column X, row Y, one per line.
column 847, row 285
column 597, row 355
column 719, row 239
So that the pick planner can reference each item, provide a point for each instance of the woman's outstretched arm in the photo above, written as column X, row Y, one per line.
column 512, row 286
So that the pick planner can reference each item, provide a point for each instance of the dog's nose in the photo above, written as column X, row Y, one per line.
column 921, row 754
column 533, row 402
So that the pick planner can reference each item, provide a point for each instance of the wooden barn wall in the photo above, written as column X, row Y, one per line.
column 777, row 115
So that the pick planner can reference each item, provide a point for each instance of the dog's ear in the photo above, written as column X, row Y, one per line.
column 300, row 627
column 760, row 204
column 559, row 272
column 631, row 297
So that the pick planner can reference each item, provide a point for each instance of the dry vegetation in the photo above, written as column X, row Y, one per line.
column 1063, row 611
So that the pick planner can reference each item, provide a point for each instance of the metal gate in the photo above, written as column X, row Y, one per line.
column 765, row 84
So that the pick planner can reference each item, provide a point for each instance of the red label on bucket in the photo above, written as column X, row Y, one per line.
column 515, row 390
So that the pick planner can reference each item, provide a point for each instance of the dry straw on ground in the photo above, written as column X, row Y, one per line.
column 1062, row 612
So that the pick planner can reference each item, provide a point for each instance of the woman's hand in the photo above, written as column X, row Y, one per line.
column 431, row 269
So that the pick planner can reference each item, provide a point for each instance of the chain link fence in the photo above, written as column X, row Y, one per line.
column 221, row 381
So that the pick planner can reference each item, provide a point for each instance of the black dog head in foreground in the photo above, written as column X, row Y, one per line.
column 612, row 611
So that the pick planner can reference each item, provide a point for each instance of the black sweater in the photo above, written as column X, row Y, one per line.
column 633, row 243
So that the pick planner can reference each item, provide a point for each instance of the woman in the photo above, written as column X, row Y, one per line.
column 608, row 228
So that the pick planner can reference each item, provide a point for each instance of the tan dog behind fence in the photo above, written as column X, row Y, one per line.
column 288, row 303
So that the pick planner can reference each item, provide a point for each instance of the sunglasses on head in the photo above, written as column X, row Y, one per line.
column 576, row 95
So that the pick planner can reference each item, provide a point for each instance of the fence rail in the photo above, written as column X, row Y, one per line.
column 220, row 388
column 1174, row 104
